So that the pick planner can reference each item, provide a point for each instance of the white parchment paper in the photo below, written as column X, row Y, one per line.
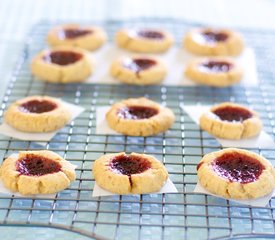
column 102, row 126
column 257, row 202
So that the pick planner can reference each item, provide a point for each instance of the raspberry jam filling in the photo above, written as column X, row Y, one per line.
column 232, row 113
column 238, row 167
column 214, row 36
column 137, row 112
column 216, row 66
column 62, row 57
column 128, row 165
column 139, row 64
column 155, row 35
column 71, row 33
column 199, row 165
column 37, row 106
column 34, row 165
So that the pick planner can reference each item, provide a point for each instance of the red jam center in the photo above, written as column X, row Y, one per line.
column 62, row 57
column 233, row 114
column 37, row 106
column 137, row 112
column 128, row 165
column 139, row 64
column 199, row 165
column 71, row 33
column 214, row 36
column 237, row 167
column 216, row 66
column 34, row 165
column 155, row 35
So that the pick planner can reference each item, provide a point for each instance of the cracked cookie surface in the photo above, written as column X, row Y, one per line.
column 129, row 174
column 74, row 35
column 213, row 42
column 144, row 40
column 37, row 114
column 231, row 121
column 138, row 70
column 37, row 172
column 139, row 117
column 62, row 65
column 236, row 173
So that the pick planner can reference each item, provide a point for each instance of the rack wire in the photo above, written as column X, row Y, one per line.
column 182, row 215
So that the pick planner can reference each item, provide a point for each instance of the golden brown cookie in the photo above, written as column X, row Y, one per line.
column 74, row 35
column 138, row 70
column 215, row 71
column 37, row 172
column 139, row 117
column 213, row 42
column 62, row 65
column 37, row 114
column 144, row 40
column 129, row 174
column 231, row 121
column 236, row 173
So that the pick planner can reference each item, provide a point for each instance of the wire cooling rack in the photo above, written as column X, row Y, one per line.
column 182, row 215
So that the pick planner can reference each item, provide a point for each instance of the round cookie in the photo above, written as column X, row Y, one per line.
column 129, row 174
column 213, row 42
column 37, row 114
column 144, row 40
column 37, row 172
column 231, row 121
column 138, row 70
column 139, row 117
column 236, row 173
column 62, row 65
column 74, row 35
column 215, row 71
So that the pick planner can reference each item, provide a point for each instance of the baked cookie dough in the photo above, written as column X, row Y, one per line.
column 213, row 42
column 231, row 121
column 139, row 117
column 129, row 174
column 74, row 35
column 138, row 70
column 236, row 173
column 62, row 65
column 144, row 40
column 216, row 72
column 37, row 114
column 37, row 172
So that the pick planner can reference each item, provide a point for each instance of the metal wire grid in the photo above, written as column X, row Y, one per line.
column 166, row 216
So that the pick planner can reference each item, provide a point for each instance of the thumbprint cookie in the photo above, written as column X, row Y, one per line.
column 231, row 121
column 37, row 172
column 139, row 117
column 62, row 65
column 236, row 173
column 216, row 72
column 37, row 114
column 129, row 174
column 74, row 35
column 144, row 40
column 213, row 42
column 138, row 70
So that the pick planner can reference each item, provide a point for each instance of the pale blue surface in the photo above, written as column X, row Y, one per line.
column 17, row 17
